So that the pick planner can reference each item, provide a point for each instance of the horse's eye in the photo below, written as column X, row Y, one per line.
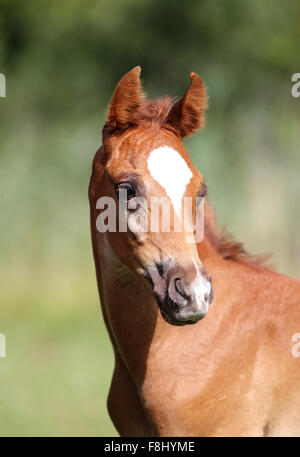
column 126, row 189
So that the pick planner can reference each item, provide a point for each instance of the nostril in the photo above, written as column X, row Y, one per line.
column 179, row 288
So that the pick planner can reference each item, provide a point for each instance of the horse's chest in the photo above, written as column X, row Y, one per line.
column 169, row 392
column 192, row 396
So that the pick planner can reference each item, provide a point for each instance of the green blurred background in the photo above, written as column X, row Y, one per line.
column 61, row 60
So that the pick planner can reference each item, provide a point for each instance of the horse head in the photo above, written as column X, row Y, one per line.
column 148, row 174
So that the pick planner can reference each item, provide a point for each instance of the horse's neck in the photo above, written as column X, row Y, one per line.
column 132, row 311
column 151, row 348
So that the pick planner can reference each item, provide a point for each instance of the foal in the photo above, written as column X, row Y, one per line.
column 202, row 334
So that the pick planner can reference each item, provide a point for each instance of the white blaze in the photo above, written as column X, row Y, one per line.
column 170, row 170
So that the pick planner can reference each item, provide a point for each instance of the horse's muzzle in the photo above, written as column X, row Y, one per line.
column 187, row 304
column 183, row 301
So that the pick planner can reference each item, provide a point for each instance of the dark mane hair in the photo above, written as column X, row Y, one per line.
column 149, row 111
column 156, row 111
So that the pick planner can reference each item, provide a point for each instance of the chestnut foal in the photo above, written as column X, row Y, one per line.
column 232, row 373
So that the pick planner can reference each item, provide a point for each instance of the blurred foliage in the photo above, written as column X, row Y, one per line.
column 62, row 60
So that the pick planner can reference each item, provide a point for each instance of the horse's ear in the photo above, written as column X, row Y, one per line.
column 125, row 101
column 187, row 114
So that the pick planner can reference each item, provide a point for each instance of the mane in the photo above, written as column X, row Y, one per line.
column 225, row 244
column 156, row 111
column 149, row 111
